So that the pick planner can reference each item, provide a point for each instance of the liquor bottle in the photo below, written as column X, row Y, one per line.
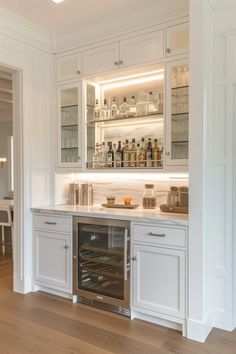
column 97, row 111
column 132, row 107
column 105, row 111
column 138, row 155
column 142, row 153
column 133, row 152
column 113, row 108
column 156, row 154
column 151, row 105
column 103, row 155
column 126, row 154
column 110, row 156
column 114, row 154
column 149, row 153
column 96, row 157
column 123, row 109
column 118, row 156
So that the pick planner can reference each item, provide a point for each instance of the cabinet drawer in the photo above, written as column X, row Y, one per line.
column 68, row 67
column 52, row 223
column 159, row 235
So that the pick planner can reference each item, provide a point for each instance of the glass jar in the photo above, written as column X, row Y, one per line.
column 149, row 198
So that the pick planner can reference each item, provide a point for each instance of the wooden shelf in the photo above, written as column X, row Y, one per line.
column 101, row 261
column 117, row 251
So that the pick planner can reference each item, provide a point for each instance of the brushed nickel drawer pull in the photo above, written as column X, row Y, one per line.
column 158, row 235
column 50, row 222
column 66, row 247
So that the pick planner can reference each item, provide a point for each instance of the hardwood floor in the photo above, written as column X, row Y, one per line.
column 45, row 324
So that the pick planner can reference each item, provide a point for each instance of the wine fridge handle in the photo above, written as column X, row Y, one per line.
column 126, row 255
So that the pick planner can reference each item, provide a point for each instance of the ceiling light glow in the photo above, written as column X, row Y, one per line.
column 57, row 1
column 133, row 82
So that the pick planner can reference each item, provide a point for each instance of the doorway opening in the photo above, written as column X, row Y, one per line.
column 7, row 211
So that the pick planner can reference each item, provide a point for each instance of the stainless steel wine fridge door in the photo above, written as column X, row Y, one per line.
column 101, row 267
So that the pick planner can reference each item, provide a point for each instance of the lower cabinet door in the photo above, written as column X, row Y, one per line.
column 52, row 260
column 159, row 280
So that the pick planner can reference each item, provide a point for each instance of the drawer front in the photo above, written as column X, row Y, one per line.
column 52, row 223
column 159, row 235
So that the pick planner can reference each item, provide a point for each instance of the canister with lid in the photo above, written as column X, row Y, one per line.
column 149, row 198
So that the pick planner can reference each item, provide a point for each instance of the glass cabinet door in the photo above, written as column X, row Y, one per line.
column 177, row 113
column 69, row 126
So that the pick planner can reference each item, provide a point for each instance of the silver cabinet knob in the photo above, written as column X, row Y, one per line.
column 66, row 247
column 168, row 50
column 79, row 158
column 116, row 63
column 134, row 258
column 74, row 257
column 121, row 62
column 78, row 72
column 167, row 153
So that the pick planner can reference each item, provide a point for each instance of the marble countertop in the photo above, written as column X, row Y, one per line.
column 138, row 215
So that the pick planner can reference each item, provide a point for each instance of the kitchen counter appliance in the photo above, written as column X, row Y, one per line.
column 101, row 263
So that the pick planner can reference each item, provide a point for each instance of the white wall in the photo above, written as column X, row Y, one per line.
column 26, row 50
column 6, row 129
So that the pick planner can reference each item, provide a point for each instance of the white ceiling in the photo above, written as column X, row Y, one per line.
column 70, row 13
column 77, row 21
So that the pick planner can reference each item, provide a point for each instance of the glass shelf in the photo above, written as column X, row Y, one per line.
column 124, row 118
column 70, row 106
column 70, row 148
column 179, row 87
column 180, row 114
column 72, row 126
column 180, row 142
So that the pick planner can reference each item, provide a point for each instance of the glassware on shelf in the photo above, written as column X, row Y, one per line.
column 149, row 153
column 151, row 108
column 105, row 110
column 97, row 111
column 113, row 108
column 123, row 110
column 143, row 152
column 156, row 154
column 133, row 153
column 126, row 154
column 132, row 107
column 110, row 156
column 142, row 105
column 118, row 156
column 160, row 103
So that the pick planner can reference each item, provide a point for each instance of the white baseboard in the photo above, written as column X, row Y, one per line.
column 222, row 321
column 53, row 292
column 199, row 330
column 157, row 320
column 22, row 286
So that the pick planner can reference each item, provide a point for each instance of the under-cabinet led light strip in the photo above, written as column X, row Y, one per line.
column 133, row 82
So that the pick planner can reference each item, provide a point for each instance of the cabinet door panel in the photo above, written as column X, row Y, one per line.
column 159, row 280
column 141, row 49
column 52, row 253
column 177, row 113
column 68, row 67
column 177, row 39
column 69, row 125
column 101, row 59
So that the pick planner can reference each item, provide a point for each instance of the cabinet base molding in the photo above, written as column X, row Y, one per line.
column 53, row 291
column 199, row 330
column 178, row 324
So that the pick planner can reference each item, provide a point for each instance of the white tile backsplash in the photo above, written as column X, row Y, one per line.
column 119, row 185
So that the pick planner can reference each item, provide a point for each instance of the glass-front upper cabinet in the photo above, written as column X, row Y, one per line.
column 125, row 119
column 177, row 113
column 69, row 125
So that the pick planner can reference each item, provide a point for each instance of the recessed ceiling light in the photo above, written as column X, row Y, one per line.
column 57, row 1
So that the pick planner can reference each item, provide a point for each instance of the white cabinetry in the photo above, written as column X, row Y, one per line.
column 68, row 67
column 101, row 59
column 142, row 49
column 177, row 39
column 52, row 252
column 159, row 271
column 69, row 99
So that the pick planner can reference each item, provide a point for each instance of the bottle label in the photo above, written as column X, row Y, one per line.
column 142, row 160
column 109, row 160
column 118, row 160
column 126, row 159
column 132, row 159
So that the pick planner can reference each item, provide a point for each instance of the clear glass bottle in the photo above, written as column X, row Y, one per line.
column 113, row 108
column 160, row 103
column 142, row 105
column 123, row 109
column 133, row 152
column 105, row 110
column 132, row 107
column 126, row 154
column 103, row 155
column 149, row 198
column 97, row 111
column 96, row 157
column 151, row 106
column 138, row 155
